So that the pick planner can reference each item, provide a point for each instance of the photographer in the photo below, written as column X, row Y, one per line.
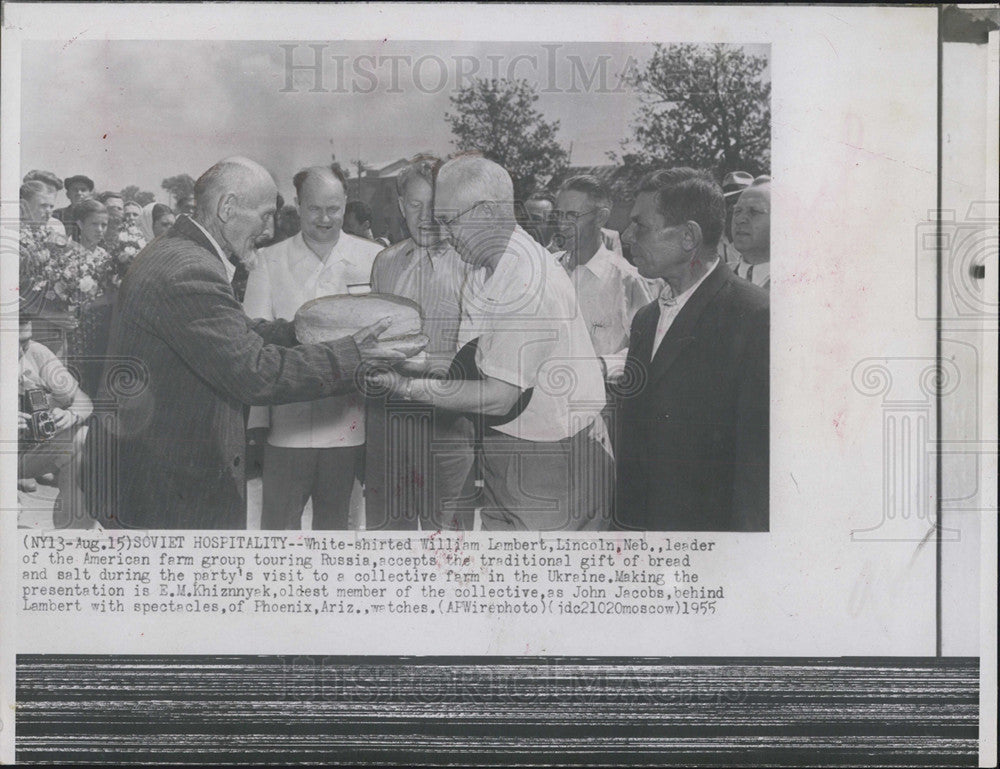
column 50, row 421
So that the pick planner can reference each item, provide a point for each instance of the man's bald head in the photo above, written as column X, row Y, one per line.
column 239, row 176
column 235, row 201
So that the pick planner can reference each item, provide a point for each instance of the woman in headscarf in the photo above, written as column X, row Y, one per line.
column 155, row 219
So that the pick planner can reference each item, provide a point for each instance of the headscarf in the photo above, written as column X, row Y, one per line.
column 146, row 222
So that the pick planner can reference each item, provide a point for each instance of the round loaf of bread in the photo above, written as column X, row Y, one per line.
column 339, row 315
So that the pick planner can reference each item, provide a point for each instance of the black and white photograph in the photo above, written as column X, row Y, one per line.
column 410, row 384
column 460, row 296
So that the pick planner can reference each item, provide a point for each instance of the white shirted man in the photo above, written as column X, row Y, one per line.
column 526, row 367
column 609, row 290
column 314, row 449
column 752, row 233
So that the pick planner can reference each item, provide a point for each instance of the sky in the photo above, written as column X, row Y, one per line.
column 136, row 112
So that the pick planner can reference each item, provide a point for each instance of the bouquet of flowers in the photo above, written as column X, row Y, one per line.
column 129, row 243
column 59, row 273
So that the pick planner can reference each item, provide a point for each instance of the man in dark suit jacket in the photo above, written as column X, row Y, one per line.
column 694, row 455
column 184, row 359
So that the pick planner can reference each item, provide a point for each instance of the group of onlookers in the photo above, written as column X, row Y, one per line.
column 561, row 385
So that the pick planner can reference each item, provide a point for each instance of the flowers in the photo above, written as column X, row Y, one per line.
column 130, row 242
column 58, row 273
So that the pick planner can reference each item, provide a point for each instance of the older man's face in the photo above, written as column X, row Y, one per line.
column 752, row 224
column 455, row 214
column 321, row 208
column 252, row 219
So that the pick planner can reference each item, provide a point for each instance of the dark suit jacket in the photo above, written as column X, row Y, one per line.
column 183, row 361
column 694, row 447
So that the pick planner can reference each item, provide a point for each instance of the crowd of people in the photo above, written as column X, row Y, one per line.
column 569, row 377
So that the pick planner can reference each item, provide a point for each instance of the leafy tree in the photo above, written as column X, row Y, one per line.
column 142, row 197
column 705, row 106
column 179, row 186
column 498, row 118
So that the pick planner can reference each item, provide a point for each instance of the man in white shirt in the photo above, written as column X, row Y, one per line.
column 313, row 448
column 527, row 366
column 609, row 290
column 752, row 233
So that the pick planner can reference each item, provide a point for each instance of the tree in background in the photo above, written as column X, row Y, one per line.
column 704, row 106
column 142, row 197
column 179, row 187
column 498, row 118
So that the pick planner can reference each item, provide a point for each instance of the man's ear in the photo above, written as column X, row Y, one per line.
column 602, row 216
column 692, row 235
column 226, row 207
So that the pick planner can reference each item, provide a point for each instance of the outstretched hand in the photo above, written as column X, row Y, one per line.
column 372, row 349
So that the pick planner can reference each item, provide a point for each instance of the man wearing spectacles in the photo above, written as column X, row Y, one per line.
column 609, row 290
column 526, row 368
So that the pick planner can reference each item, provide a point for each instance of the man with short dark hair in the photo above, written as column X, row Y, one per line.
column 186, row 205
column 77, row 188
column 194, row 358
column 311, row 450
column 539, row 208
column 694, row 453
column 358, row 222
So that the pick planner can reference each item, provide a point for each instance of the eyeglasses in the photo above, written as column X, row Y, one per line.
column 448, row 223
column 569, row 217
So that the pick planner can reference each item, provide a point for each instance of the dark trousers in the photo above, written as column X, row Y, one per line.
column 562, row 485
column 292, row 476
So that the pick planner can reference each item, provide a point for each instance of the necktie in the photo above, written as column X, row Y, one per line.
column 750, row 273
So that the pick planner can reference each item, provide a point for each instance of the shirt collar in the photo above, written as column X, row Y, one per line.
column 667, row 298
column 601, row 263
column 230, row 267
column 761, row 272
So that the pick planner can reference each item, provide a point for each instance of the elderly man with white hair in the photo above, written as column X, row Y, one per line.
column 526, row 368
column 184, row 359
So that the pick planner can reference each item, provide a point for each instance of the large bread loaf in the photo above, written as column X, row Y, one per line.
column 340, row 315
